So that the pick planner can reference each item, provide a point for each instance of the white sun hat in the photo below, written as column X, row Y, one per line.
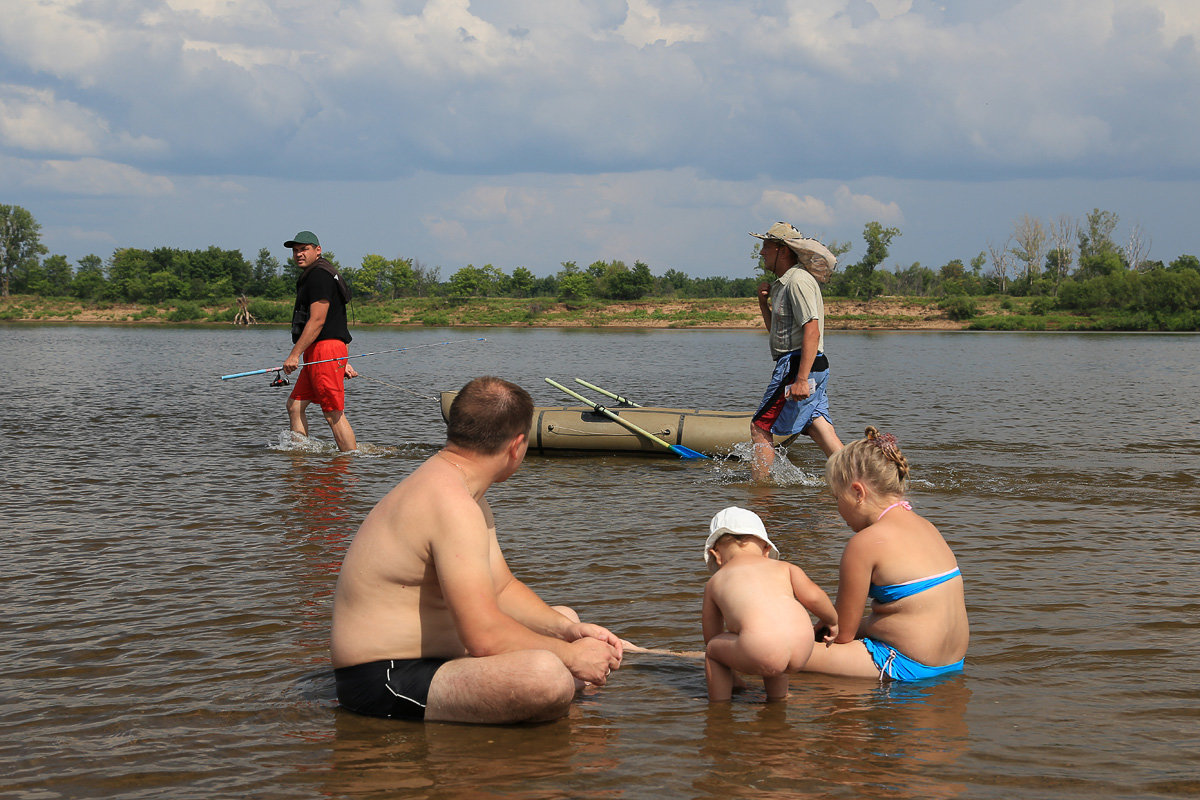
column 739, row 522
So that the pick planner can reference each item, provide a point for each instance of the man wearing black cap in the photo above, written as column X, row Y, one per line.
column 319, row 334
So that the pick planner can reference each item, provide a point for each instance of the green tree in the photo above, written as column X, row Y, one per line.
column 265, row 277
column 521, row 283
column 162, row 285
column 915, row 280
column 20, row 242
column 619, row 282
column 1095, row 235
column 129, row 271
column 1099, row 264
column 473, row 281
column 860, row 280
column 28, row 277
column 425, row 279
column 952, row 270
column 89, row 282
column 370, row 276
column 58, row 276
column 673, row 281
column 1185, row 262
column 574, row 286
column 400, row 277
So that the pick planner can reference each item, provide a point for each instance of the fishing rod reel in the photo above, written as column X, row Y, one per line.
column 280, row 378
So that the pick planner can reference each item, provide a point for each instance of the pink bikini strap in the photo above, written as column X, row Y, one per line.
column 907, row 506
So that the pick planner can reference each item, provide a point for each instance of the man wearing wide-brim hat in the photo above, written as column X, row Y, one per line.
column 794, row 312
column 319, row 335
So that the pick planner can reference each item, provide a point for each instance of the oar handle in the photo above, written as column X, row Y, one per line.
column 625, row 401
column 611, row 415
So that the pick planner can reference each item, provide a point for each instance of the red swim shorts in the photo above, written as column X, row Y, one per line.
column 324, row 383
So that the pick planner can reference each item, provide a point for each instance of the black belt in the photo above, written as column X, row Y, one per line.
column 820, row 363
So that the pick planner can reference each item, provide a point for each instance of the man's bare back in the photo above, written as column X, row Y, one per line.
column 388, row 602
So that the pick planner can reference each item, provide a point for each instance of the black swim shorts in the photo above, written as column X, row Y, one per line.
column 393, row 688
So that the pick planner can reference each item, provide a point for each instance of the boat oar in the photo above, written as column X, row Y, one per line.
column 347, row 358
column 678, row 449
column 625, row 401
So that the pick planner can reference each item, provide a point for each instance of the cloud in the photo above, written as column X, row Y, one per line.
column 88, row 176
column 36, row 121
column 644, row 26
column 846, row 208
column 866, row 208
column 829, row 88
column 800, row 211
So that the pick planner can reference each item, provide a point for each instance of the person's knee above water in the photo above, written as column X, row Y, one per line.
column 793, row 310
column 319, row 336
column 898, row 561
column 428, row 621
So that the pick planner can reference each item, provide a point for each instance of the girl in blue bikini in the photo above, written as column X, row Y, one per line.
column 917, row 627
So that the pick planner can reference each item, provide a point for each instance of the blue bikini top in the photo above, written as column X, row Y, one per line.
column 897, row 591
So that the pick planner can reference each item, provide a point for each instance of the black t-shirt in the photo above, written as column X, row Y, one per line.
column 320, row 284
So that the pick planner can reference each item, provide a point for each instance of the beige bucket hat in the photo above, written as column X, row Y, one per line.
column 814, row 256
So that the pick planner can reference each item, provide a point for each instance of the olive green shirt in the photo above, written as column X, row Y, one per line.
column 795, row 299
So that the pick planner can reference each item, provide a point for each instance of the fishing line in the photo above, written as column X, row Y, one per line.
column 401, row 388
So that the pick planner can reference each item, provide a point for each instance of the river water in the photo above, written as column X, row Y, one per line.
column 169, row 569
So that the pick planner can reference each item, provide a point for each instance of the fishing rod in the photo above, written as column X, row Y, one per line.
column 347, row 358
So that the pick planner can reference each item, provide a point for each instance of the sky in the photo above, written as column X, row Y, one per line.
column 533, row 132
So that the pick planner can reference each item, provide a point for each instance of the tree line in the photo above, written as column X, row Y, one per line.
column 1066, row 263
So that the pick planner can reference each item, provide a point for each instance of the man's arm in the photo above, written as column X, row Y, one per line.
column 524, row 605
column 764, row 302
column 461, row 557
column 808, row 354
column 317, row 312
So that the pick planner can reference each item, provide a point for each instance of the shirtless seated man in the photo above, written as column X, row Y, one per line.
column 428, row 621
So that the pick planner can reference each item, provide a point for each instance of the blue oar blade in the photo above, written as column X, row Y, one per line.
column 686, row 452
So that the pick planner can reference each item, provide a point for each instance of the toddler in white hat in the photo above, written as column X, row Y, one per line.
column 756, row 608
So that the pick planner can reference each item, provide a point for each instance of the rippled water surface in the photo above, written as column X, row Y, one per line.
column 170, row 564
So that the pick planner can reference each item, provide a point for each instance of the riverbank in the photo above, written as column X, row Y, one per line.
column 881, row 313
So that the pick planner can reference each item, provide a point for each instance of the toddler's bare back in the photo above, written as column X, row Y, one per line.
column 755, row 594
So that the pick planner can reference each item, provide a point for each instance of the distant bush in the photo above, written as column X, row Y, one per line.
column 372, row 315
column 959, row 307
column 1041, row 305
column 185, row 312
column 270, row 311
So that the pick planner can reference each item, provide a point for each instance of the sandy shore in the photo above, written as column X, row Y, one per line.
column 885, row 313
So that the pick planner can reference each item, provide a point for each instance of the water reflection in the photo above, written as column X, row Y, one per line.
column 318, row 520
column 387, row 758
column 840, row 737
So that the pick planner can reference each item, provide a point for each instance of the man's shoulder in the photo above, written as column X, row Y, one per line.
column 800, row 277
column 438, row 501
